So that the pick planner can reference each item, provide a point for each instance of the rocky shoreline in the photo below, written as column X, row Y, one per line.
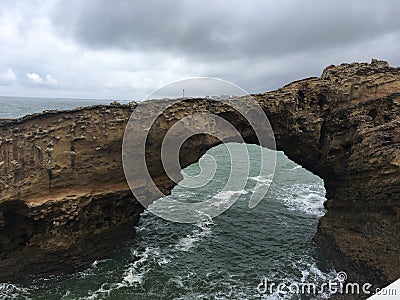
column 64, row 200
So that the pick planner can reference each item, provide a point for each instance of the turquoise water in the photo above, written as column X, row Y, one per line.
column 222, row 258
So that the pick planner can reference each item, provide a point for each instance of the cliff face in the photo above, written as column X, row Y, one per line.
column 64, row 199
column 64, row 196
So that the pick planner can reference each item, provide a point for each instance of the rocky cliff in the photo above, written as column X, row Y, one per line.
column 65, row 201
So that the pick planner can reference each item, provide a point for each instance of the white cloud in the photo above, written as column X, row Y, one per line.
column 8, row 76
column 35, row 78
column 51, row 80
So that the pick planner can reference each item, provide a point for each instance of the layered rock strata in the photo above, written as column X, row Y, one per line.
column 64, row 200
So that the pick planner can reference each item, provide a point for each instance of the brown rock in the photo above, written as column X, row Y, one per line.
column 343, row 126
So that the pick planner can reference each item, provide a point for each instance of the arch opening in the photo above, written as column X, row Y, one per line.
column 273, row 240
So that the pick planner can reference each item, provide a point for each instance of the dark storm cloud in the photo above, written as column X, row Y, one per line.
column 126, row 49
column 143, row 25
column 227, row 29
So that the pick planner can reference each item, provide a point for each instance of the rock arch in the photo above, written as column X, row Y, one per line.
column 342, row 126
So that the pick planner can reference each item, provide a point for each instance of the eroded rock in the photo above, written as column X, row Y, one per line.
column 343, row 126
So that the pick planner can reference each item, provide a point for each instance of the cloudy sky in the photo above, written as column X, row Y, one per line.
column 124, row 49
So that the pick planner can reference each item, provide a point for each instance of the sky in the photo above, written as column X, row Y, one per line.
column 125, row 49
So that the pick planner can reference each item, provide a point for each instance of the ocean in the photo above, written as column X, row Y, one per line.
column 14, row 107
column 227, row 257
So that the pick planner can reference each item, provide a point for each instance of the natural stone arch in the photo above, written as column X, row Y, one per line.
column 343, row 127
column 333, row 126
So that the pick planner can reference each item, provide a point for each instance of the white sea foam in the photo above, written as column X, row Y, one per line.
column 262, row 179
column 92, row 269
column 178, row 280
column 13, row 291
column 306, row 198
column 295, row 168
column 189, row 241
column 95, row 263
column 163, row 261
column 309, row 272
column 131, row 278
column 312, row 274
column 134, row 273
column 227, row 195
